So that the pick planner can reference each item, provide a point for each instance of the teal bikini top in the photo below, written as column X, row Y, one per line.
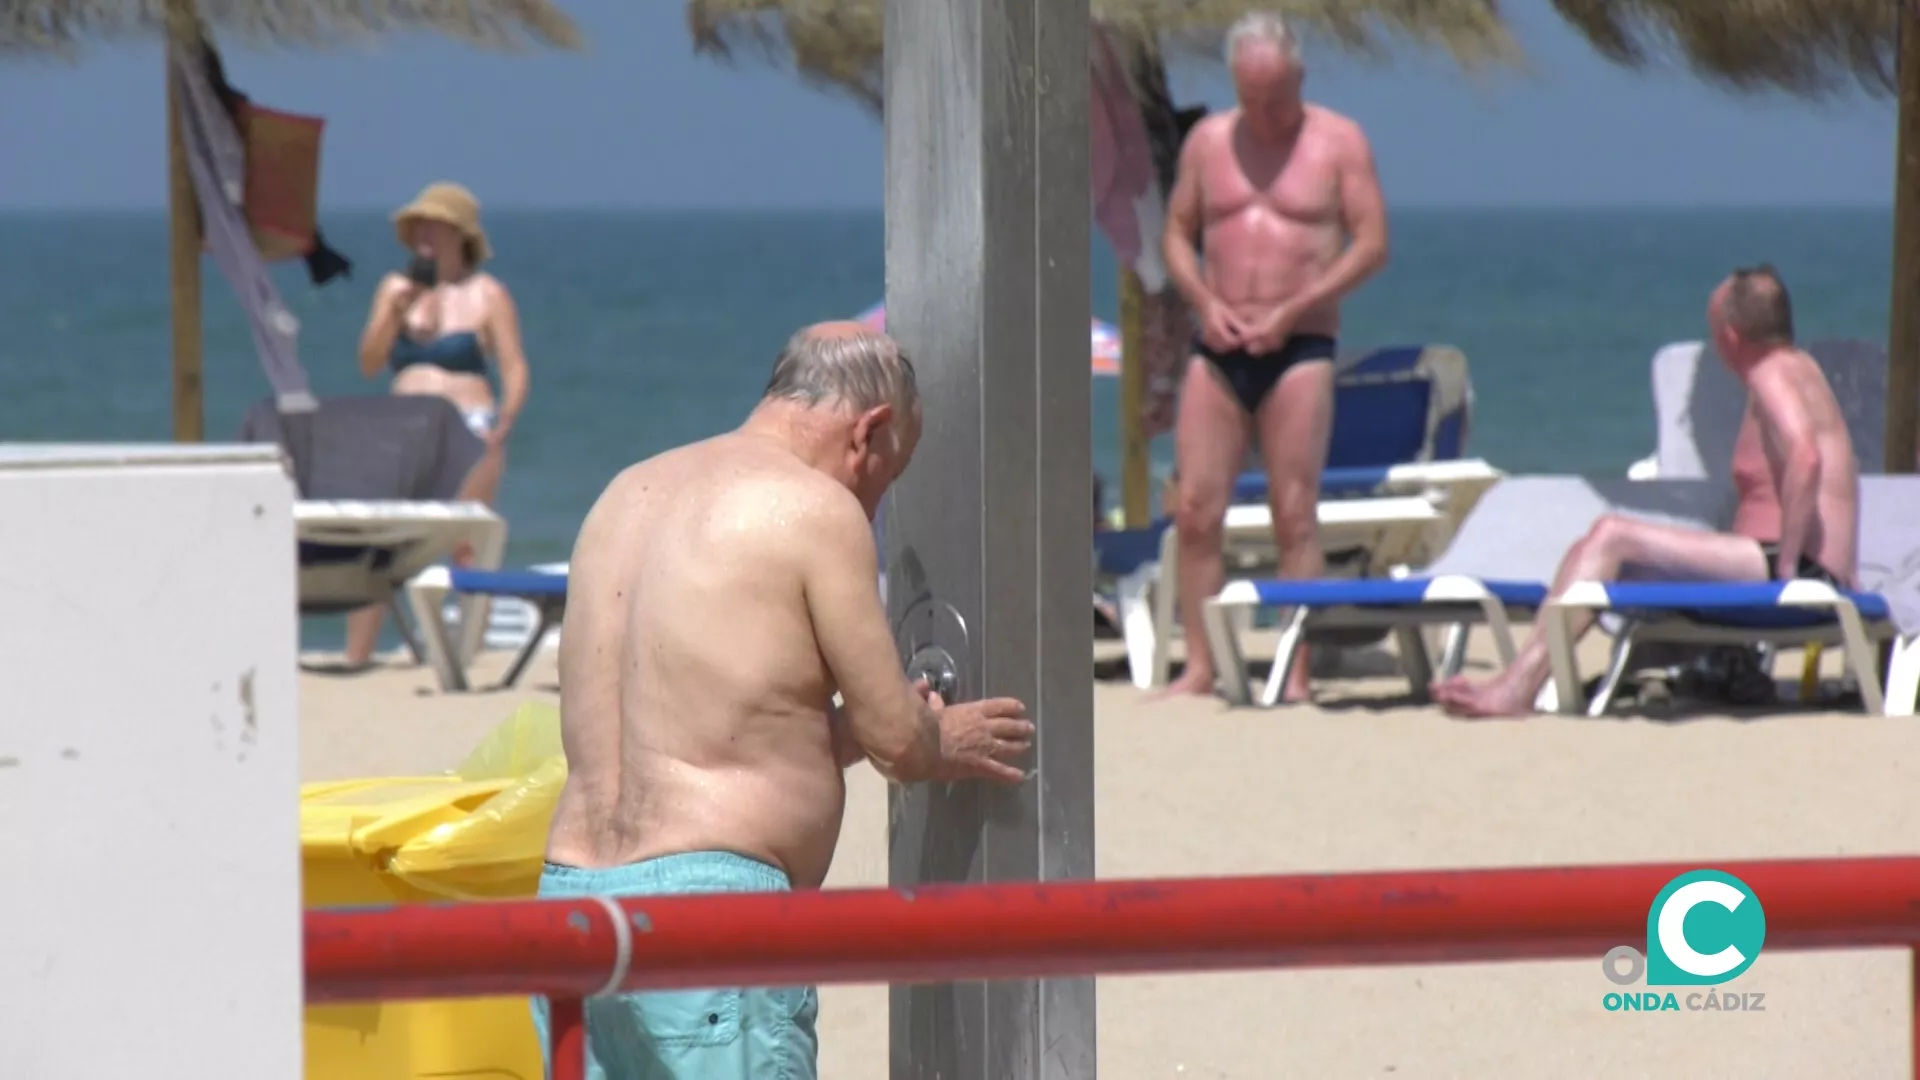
column 459, row 353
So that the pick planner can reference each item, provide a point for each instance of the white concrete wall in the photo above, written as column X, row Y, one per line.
column 149, row 775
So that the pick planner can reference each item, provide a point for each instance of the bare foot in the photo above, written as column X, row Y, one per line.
column 1189, row 684
column 1484, row 700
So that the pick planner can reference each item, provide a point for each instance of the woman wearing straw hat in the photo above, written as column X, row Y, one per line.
column 435, row 326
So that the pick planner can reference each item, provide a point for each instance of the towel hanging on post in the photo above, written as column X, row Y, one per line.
column 218, row 165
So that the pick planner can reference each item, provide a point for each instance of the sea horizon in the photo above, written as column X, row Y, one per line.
column 646, row 329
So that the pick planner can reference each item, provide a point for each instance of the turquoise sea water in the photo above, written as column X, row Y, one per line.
column 645, row 330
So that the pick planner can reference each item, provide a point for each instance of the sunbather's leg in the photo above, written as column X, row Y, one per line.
column 482, row 485
column 363, row 634
column 1295, row 422
column 1614, row 542
column 1210, row 442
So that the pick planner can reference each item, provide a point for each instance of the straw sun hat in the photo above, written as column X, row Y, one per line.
column 450, row 204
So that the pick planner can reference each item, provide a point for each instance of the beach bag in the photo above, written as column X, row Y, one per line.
column 282, row 195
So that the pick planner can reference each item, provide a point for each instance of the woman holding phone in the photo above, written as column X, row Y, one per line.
column 435, row 326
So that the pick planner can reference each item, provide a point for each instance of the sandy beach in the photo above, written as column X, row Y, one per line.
column 1366, row 781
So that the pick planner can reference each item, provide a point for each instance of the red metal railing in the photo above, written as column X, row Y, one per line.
column 571, row 949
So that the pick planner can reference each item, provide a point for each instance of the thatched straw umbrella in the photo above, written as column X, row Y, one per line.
column 58, row 27
column 835, row 45
column 1812, row 49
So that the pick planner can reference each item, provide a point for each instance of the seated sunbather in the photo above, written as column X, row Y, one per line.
column 1793, row 468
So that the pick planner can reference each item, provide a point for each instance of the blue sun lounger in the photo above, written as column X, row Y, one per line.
column 1401, row 606
column 1884, row 612
column 544, row 591
column 1492, row 574
column 1785, row 613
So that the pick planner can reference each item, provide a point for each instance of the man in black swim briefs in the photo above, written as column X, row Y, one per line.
column 1251, row 375
column 1284, row 198
column 1793, row 467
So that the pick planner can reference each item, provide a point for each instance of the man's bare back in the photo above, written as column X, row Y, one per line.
column 1272, row 215
column 696, row 707
column 1791, row 414
column 720, row 595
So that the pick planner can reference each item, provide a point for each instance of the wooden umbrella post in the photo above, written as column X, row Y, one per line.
column 1903, row 337
column 183, row 212
column 1135, row 499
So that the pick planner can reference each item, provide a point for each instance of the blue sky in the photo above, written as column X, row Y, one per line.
column 639, row 121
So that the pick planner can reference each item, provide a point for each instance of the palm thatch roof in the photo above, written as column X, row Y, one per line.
column 1811, row 48
column 57, row 27
column 836, row 43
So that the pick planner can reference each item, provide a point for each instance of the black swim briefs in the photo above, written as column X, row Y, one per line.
column 1807, row 570
column 1252, row 375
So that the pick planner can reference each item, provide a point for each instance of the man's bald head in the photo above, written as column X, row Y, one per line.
column 846, row 364
column 844, row 399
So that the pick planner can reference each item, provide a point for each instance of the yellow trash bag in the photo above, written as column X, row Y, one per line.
column 477, row 832
column 495, row 849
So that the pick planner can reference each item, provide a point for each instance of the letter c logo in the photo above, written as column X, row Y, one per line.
column 1672, row 928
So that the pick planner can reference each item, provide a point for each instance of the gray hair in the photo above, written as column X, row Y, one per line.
column 1758, row 307
column 860, row 370
column 1263, row 26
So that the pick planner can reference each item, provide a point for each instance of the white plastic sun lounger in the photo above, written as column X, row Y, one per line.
column 358, row 554
column 1452, row 486
column 1494, row 571
column 1390, row 531
column 1885, row 612
column 1698, row 405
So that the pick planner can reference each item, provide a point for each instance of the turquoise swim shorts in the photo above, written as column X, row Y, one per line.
column 691, row 1034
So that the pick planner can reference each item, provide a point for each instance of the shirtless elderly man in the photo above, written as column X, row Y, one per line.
column 722, row 593
column 1793, row 469
column 1285, row 197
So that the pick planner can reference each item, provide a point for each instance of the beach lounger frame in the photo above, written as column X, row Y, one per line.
column 543, row 590
column 1390, row 531
column 403, row 539
column 1401, row 607
column 1735, row 614
column 1414, row 511
column 1493, row 573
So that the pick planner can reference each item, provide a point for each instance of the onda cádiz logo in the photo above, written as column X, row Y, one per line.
column 1704, row 928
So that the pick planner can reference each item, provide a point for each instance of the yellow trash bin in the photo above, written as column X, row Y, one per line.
column 476, row 833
